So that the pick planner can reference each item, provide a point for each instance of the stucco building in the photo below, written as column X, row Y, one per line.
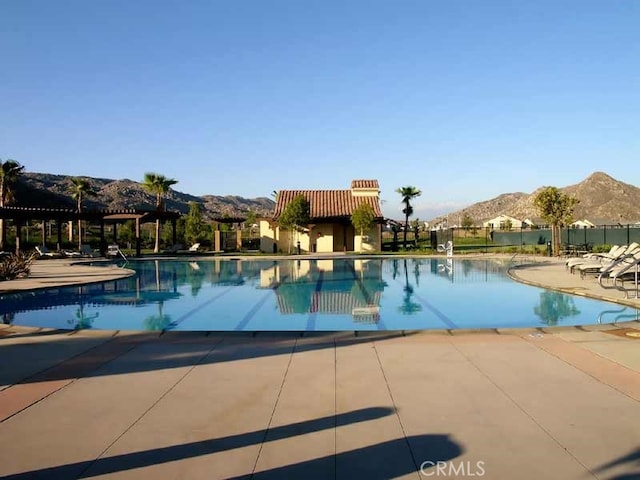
column 330, row 228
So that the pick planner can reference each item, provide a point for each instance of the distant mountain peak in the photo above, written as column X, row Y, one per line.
column 601, row 197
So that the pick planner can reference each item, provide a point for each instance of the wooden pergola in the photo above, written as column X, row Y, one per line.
column 21, row 215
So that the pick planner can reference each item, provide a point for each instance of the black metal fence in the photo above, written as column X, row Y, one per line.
column 488, row 239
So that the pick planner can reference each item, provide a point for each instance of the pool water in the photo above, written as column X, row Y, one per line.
column 307, row 295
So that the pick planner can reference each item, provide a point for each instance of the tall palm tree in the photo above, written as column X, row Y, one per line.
column 80, row 188
column 408, row 194
column 10, row 170
column 160, row 186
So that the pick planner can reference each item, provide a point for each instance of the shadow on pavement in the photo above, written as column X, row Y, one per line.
column 383, row 460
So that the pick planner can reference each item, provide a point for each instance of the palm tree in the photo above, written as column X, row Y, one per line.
column 408, row 307
column 10, row 170
column 80, row 188
column 408, row 194
column 158, row 185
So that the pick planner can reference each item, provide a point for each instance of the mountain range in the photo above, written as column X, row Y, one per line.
column 602, row 200
column 48, row 190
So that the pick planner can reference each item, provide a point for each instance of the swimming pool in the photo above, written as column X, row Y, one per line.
column 308, row 295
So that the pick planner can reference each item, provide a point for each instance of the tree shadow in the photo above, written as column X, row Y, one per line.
column 150, row 354
column 630, row 461
column 383, row 460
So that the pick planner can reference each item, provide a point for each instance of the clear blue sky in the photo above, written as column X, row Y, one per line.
column 463, row 99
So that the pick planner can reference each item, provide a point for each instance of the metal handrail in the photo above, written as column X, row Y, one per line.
column 117, row 250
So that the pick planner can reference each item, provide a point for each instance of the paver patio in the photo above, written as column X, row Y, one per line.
column 549, row 403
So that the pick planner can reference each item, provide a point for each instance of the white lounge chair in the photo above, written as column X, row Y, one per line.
column 613, row 253
column 606, row 266
column 44, row 251
column 596, row 265
column 621, row 268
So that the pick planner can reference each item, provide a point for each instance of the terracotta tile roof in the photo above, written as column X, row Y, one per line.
column 327, row 203
column 365, row 184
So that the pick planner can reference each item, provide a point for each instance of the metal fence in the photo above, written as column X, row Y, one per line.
column 488, row 239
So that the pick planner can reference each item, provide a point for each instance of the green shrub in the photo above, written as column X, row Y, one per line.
column 603, row 248
column 16, row 265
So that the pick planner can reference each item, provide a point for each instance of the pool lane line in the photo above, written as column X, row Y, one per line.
column 313, row 315
column 197, row 309
column 242, row 324
column 441, row 316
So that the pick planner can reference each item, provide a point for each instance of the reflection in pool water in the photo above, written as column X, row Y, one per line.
column 307, row 295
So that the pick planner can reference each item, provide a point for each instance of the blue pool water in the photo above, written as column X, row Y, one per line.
column 308, row 295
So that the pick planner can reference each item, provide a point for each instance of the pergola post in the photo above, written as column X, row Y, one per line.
column 138, row 251
column 239, row 239
column 43, row 228
column 216, row 241
column 3, row 241
column 115, row 232
column 18, row 235
column 59, row 229
column 103, row 242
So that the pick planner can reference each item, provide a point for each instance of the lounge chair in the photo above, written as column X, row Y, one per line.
column 621, row 269
column 607, row 265
column 175, row 249
column 613, row 253
column 44, row 251
column 192, row 249
column 86, row 251
column 113, row 251
column 593, row 265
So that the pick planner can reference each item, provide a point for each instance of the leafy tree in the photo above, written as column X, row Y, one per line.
column 80, row 188
column 415, row 225
column 126, row 232
column 159, row 185
column 408, row 193
column 363, row 218
column 252, row 218
column 507, row 225
column 467, row 222
column 194, row 223
column 295, row 215
column 10, row 170
column 556, row 208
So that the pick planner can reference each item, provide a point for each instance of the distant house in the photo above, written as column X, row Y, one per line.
column 330, row 228
column 582, row 224
column 502, row 222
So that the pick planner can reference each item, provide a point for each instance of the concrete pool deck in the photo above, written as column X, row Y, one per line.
column 552, row 403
